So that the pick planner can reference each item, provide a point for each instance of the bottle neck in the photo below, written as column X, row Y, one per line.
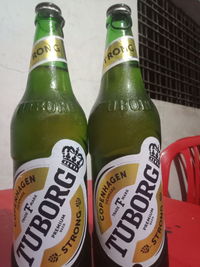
column 117, row 26
column 48, row 48
column 48, row 73
column 47, row 26
column 121, row 72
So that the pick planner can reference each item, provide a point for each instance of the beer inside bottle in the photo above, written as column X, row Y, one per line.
column 124, row 143
column 49, row 147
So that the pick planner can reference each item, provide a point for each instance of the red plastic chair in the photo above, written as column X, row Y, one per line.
column 185, row 153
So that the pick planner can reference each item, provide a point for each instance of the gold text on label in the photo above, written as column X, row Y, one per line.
column 121, row 50
column 47, row 49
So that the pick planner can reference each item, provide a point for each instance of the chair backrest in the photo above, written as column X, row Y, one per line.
column 185, row 153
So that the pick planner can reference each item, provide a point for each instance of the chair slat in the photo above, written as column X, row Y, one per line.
column 185, row 153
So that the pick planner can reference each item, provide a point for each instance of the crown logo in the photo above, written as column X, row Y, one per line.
column 72, row 158
column 154, row 154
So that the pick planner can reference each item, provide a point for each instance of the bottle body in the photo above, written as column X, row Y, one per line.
column 118, row 128
column 49, row 147
column 124, row 143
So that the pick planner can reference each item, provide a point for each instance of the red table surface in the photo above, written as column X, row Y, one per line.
column 182, row 224
column 183, row 232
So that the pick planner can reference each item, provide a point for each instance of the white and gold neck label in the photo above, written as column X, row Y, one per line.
column 50, row 48
column 119, row 51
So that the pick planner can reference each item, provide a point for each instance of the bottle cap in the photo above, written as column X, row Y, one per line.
column 49, row 10
column 119, row 8
column 48, row 6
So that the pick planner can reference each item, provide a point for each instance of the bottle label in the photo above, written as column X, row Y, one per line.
column 120, row 50
column 50, row 208
column 50, row 48
column 129, row 210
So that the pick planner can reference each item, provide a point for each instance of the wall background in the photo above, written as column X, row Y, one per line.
column 84, row 42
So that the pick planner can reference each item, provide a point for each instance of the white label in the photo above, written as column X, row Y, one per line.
column 128, row 207
column 50, row 208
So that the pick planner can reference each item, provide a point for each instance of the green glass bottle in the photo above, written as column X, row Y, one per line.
column 49, row 147
column 124, row 143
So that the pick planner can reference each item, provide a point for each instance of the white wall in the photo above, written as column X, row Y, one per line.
column 84, row 42
column 177, row 121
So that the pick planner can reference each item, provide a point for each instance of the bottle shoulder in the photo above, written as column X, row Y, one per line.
column 124, row 114
column 124, row 106
column 37, row 126
column 48, row 106
column 49, row 114
column 120, row 129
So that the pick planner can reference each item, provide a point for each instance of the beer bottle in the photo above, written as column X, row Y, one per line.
column 124, row 143
column 48, row 147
